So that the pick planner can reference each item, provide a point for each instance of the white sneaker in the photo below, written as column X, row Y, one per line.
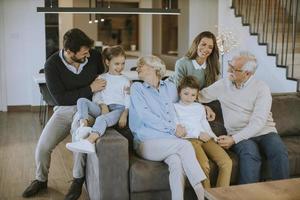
column 82, row 146
column 82, row 133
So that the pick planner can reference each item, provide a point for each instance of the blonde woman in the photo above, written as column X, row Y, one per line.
column 156, row 136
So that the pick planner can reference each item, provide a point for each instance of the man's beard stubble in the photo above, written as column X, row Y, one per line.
column 78, row 60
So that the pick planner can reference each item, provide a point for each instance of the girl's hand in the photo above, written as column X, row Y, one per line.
column 180, row 131
column 104, row 109
column 126, row 90
column 123, row 119
column 204, row 137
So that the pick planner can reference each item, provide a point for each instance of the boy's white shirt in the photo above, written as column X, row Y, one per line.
column 193, row 118
column 114, row 92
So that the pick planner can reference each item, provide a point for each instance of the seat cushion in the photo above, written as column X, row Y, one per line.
column 286, row 114
column 293, row 146
column 148, row 175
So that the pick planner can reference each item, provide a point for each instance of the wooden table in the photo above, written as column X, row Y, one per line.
column 288, row 189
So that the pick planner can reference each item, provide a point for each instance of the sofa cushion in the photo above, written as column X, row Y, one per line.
column 148, row 175
column 286, row 114
column 293, row 146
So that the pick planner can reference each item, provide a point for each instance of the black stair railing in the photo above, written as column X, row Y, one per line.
column 277, row 24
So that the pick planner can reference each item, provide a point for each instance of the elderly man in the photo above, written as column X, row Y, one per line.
column 246, row 104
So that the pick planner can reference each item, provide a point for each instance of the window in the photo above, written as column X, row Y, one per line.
column 51, row 26
column 119, row 29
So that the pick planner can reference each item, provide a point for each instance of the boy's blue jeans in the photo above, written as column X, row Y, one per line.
column 249, row 153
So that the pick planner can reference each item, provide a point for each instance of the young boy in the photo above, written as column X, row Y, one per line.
column 192, row 116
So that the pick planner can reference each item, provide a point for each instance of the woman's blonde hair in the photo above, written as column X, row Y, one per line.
column 154, row 62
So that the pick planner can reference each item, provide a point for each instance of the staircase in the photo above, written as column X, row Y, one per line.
column 277, row 25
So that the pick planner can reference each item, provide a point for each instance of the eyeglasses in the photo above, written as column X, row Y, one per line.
column 232, row 68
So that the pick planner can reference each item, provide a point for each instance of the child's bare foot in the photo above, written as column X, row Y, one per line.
column 93, row 137
column 83, row 122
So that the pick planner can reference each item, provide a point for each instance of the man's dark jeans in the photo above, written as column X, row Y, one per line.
column 249, row 153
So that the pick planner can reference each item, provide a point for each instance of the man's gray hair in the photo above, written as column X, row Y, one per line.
column 251, row 62
column 155, row 62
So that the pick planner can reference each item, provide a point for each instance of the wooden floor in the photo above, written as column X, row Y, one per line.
column 19, row 133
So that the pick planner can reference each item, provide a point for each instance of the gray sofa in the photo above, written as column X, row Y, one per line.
column 117, row 173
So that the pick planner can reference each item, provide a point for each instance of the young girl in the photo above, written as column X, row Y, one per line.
column 192, row 116
column 108, row 106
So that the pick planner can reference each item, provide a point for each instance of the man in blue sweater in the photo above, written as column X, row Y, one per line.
column 70, row 74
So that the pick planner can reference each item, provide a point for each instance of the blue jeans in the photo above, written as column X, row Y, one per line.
column 249, row 153
column 86, row 107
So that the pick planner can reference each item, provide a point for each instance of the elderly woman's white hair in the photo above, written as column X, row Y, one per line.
column 154, row 62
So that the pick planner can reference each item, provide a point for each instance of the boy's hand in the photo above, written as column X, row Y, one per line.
column 180, row 131
column 204, row 137
column 225, row 141
column 104, row 109
column 210, row 114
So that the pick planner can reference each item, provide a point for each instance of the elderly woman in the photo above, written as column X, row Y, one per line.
column 156, row 136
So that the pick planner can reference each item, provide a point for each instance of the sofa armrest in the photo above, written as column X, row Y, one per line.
column 107, row 170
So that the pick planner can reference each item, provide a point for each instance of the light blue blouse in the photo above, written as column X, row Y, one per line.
column 151, row 112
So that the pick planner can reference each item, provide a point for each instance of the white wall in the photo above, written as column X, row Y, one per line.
column 203, row 16
column 81, row 21
column 156, row 30
column 3, row 101
column 183, row 27
column 267, row 71
column 65, row 21
column 24, row 49
column 145, row 29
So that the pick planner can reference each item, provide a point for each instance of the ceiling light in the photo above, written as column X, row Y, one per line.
column 90, row 20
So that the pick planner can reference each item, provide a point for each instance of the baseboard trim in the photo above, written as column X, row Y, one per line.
column 23, row 108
